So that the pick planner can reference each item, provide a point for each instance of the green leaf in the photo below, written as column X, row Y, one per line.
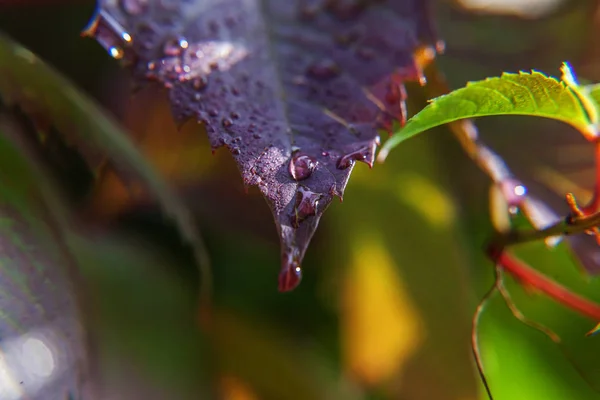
column 533, row 94
column 41, row 91
column 593, row 91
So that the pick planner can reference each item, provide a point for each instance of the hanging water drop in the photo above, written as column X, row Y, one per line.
column 301, row 166
column 291, row 272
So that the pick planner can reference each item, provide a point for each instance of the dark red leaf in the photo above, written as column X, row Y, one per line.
column 296, row 89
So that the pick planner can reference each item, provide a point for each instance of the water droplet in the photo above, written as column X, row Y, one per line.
column 324, row 153
column 347, row 160
column 235, row 151
column 200, row 83
column 513, row 191
column 377, row 140
column 234, row 115
column 134, row 7
column 126, row 36
column 323, row 70
column 237, row 140
column 301, row 166
column 291, row 272
column 213, row 112
column 256, row 136
column 235, row 91
column 226, row 122
column 197, row 96
column 307, row 202
column 174, row 47
column 116, row 52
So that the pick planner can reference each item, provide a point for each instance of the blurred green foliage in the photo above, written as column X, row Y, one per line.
column 391, row 279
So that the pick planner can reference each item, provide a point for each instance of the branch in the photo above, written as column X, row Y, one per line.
column 539, row 281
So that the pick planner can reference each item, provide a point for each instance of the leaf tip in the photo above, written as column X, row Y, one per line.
column 568, row 75
column 383, row 153
column 594, row 331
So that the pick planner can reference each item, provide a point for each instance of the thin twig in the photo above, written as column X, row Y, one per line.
column 541, row 328
column 474, row 337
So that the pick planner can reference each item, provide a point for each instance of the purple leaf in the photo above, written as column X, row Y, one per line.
column 296, row 90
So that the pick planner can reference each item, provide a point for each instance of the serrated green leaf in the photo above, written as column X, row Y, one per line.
column 532, row 94
column 593, row 91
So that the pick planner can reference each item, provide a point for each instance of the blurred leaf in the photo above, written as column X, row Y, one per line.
column 285, row 370
column 406, row 210
column 49, row 97
column 381, row 328
column 533, row 94
column 43, row 346
column 145, row 325
column 234, row 389
column 171, row 151
column 295, row 90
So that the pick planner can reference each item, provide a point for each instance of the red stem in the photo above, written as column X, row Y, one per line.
column 551, row 288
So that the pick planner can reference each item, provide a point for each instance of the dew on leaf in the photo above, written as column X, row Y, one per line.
column 235, row 151
column 116, row 52
column 513, row 191
column 226, row 122
column 347, row 160
column 213, row 112
column 306, row 205
column 200, row 83
column 234, row 115
column 174, row 47
column 301, row 166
